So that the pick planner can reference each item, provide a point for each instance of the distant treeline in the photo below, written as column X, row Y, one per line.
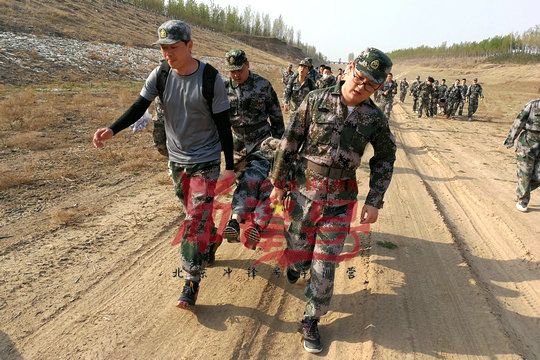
column 230, row 20
column 509, row 48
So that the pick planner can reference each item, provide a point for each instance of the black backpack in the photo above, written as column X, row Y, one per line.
column 209, row 77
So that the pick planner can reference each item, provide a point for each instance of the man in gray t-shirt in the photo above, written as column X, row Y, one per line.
column 196, row 134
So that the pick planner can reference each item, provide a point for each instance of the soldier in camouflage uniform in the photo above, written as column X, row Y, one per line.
column 473, row 94
column 197, row 131
column 158, row 133
column 287, row 74
column 299, row 86
column 526, row 129
column 434, row 99
column 414, row 93
column 464, row 89
column 403, row 86
column 425, row 93
column 255, row 115
column 442, row 96
column 453, row 98
column 327, row 79
column 388, row 91
column 328, row 135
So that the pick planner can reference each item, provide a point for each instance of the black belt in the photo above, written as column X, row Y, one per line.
column 329, row 172
column 249, row 128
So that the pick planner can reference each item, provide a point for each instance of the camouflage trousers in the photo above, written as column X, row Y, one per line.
column 402, row 95
column 528, row 164
column 434, row 103
column 194, row 185
column 388, row 104
column 253, row 188
column 452, row 108
column 460, row 107
column 315, row 239
column 415, row 103
column 473, row 106
column 425, row 106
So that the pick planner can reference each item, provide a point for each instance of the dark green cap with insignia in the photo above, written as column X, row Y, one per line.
column 306, row 62
column 173, row 31
column 374, row 64
column 235, row 59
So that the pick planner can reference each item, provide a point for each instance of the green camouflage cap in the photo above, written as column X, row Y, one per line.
column 306, row 62
column 374, row 64
column 235, row 59
column 173, row 31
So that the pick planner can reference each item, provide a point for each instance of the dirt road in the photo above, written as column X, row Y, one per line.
column 463, row 282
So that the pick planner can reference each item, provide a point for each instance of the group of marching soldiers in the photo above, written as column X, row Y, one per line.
column 431, row 96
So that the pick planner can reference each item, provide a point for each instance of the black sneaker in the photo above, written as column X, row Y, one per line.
column 253, row 236
column 292, row 275
column 189, row 295
column 312, row 338
column 212, row 252
column 232, row 231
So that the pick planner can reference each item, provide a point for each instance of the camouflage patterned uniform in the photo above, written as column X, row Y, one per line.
column 286, row 75
column 329, row 140
column 194, row 185
column 295, row 92
column 526, row 129
column 326, row 81
column 434, row 99
column 158, row 133
column 453, row 98
column 443, row 103
column 425, row 92
column 388, row 91
column 464, row 89
column 255, row 115
column 414, row 92
column 474, row 93
column 403, row 86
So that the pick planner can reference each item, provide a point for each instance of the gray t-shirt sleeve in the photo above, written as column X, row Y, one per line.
column 220, row 102
column 149, row 90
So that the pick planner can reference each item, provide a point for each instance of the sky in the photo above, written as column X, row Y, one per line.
column 337, row 28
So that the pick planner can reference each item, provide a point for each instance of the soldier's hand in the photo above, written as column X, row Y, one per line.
column 101, row 135
column 276, row 196
column 285, row 108
column 369, row 214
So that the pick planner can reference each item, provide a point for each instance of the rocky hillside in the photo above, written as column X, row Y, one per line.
column 52, row 40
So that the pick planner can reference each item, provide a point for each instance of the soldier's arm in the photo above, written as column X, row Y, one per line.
column 381, row 165
column 288, row 90
column 517, row 126
column 293, row 138
column 277, row 127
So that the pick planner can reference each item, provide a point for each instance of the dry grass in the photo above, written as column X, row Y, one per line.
column 11, row 179
column 32, row 140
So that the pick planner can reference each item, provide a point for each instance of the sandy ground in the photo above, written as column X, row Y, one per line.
column 463, row 282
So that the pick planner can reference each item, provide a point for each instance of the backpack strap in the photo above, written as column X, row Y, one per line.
column 209, row 78
column 163, row 73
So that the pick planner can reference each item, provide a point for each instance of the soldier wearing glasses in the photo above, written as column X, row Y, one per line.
column 328, row 134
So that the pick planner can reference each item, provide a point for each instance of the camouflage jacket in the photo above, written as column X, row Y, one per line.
column 425, row 91
column 475, row 91
column 414, row 87
column 323, row 132
column 442, row 90
column 295, row 92
column 325, row 82
column 403, row 86
column 453, row 93
column 464, row 89
column 255, row 113
column 313, row 75
column 528, row 119
column 389, row 89
column 286, row 75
